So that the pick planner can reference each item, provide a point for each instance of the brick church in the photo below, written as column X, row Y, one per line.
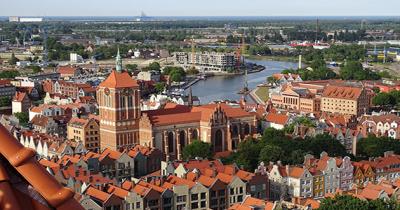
column 123, row 124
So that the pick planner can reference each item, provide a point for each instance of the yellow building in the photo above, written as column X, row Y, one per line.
column 345, row 100
column 318, row 183
column 85, row 130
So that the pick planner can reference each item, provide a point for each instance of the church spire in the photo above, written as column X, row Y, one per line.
column 118, row 62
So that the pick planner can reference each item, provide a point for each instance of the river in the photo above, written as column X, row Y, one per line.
column 226, row 87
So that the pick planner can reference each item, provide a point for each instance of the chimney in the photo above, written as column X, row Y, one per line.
column 287, row 169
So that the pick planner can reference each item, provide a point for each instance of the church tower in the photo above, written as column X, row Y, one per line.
column 118, row 98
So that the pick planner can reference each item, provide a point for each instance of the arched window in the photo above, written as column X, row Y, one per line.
column 182, row 139
column 246, row 129
column 195, row 135
column 170, row 142
column 218, row 141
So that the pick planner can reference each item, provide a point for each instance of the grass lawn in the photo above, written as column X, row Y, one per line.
column 262, row 93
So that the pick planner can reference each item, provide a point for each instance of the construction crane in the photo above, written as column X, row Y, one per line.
column 316, row 31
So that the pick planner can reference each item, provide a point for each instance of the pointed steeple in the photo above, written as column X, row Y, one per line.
column 118, row 62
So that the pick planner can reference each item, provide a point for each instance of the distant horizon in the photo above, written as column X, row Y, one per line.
column 204, row 8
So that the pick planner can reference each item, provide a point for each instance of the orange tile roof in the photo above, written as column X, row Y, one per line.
column 281, row 119
column 127, row 185
column 97, row 194
column 67, row 70
column 296, row 172
column 121, row 193
column 206, row 181
column 313, row 203
column 152, row 186
column 179, row 181
column 141, row 190
column 370, row 194
column 119, row 80
column 19, row 96
column 342, row 92
column 23, row 161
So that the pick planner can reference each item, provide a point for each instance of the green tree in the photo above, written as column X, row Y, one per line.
column 271, row 153
column 272, row 133
column 297, row 157
column 131, row 67
column 23, row 118
column 13, row 60
column 383, row 99
column 197, row 149
column 353, row 70
column 5, row 101
column 154, row 66
column 159, row 87
column 247, row 155
column 348, row 202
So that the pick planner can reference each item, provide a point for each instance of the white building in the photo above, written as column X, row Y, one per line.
column 207, row 61
column 75, row 58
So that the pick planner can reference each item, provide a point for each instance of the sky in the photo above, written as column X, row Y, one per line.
column 200, row 7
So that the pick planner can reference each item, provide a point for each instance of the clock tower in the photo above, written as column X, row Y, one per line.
column 118, row 98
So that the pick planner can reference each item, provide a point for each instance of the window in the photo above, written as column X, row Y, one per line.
column 252, row 188
column 203, row 204
column 181, row 198
column 167, row 201
column 203, row 195
column 213, row 193
column 195, row 205
column 240, row 198
column 138, row 205
column 221, row 193
column 195, row 197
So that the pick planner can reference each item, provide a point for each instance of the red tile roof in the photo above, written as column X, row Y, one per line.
column 342, row 92
column 119, row 80
column 23, row 161
column 276, row 118
column 19, row 96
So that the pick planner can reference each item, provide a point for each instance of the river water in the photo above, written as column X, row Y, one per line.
column 226, row 87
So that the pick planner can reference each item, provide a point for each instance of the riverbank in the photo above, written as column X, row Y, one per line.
column 227, row 87
column 260, row 94
column 272, row 58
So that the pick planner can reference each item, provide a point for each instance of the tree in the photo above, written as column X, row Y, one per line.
column 5, row 101
column 272, row 133
column 271, row 153
column 23, row 118
column 383, row 99
column 13, row 60
column 197, row 149
column 159, row 87
column 348, row 202
column 131, row 67
column 154, row 66
column 353, row 70
column 272, row 80
column 373, row 146
column 247, row 154
column 9, row 74
column 297, row 157
column 177, row 74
